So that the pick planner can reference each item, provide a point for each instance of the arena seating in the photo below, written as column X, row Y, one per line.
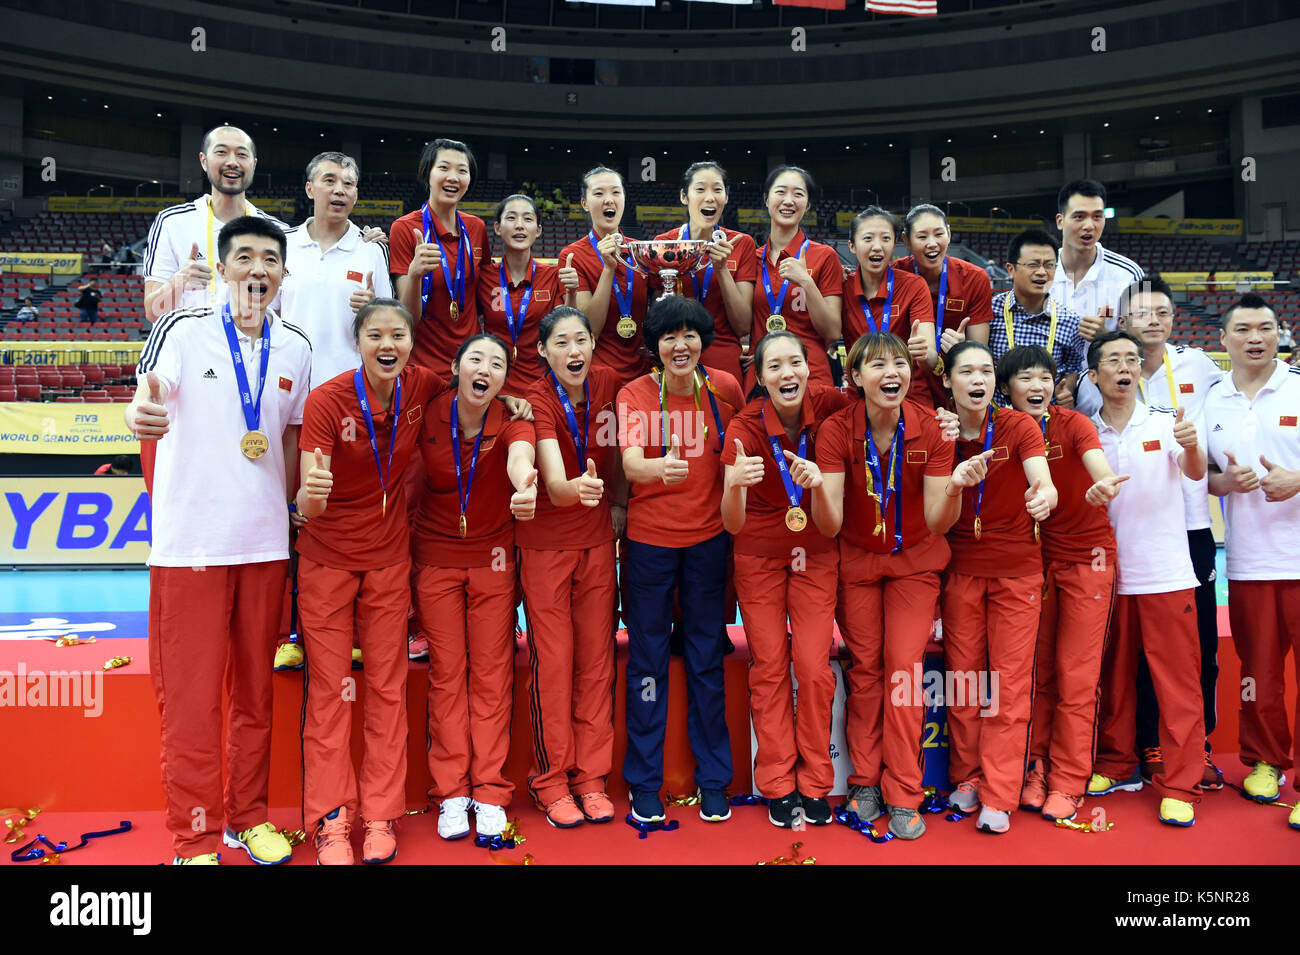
column 87, row 381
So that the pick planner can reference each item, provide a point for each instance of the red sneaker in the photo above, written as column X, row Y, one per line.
column 417, row 646
column 1034, row 791
column 597, row 807
column 564, row 813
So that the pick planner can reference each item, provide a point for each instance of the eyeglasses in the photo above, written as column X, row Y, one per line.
column 1148, row 312
column 1133, row 361
column 1036, row 266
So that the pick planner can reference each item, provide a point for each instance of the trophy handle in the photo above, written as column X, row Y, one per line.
column 625, row 258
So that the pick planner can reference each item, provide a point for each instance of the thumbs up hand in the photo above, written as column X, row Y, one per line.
column 747, row 471
column 569, row 275
column 1243, row 476
column 1278, row 484
column 362, row 293
column 675, row 468
column 319, row 481
column 193, row 274
column 951, row 336
column 1184, row 430
column 949, row 423
column 1036, row 503
column 426, row 257
column 523, row 503
column 796, row 270
column 146, row 415
column 803, row 472
column 1104, row 491
column 590, row 485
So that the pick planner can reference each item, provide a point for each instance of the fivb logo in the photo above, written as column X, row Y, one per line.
column 77, row 908
column 83, row 688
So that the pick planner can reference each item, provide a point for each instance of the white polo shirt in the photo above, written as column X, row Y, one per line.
column 211, row 505
column 1194, row 372
column 1147, row 514
column 316, row 291
column 1263, row 537
column 173, row 234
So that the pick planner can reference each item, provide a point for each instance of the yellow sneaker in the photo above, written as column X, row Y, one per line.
column 263, row 843
column 1294, row 820
column 1262, row 783
column 288, row 656
column 356, row 658
column 1176, row 812
column 1100, row 785
column 207, row 858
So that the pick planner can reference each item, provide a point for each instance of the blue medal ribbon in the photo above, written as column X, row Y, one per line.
column 509, row 308
column 579, row 440
column 701, row 293
column 624, row 297
column 886, row 488
column 456, row 288
column 252, row 408
column 793, row 491
column 942, row 304
column 988, row 443
column 889, row 302
column 463, row 491
column 358, row 382
column 774, row 302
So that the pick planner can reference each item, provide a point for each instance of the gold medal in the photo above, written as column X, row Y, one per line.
column 626, row 326
column 1037, row 537
column 463, row 527
column 796, row 519
column 514, row 352
column 383, row 505
column 254, row 444
column 880, row 529
column 775, row 323
column 978, row 528
column 455, row 312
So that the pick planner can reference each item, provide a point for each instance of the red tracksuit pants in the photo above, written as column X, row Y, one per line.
column 885, row 614
column 1077, row 601
column 1265, row 618
column 468, row 615
column 336, row 606
column 1163, row 626
column 990, row 626
column 213, row 629
column 569, row 603
column 793, row 748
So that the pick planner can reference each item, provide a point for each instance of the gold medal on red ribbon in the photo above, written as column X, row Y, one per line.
column 455, row 312
column 383, row 505
column 775, row 323
column 463, row 527
column 979, row 528
column 1037, row 536
column 796, row 519
column 254, row 444
column 514, row 353
column 626, row 326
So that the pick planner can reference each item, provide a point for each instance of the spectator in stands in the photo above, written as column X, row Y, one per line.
column 105, row 255
column 88, row 301
column 1285, row 341
column 29, row 312
column 118, row 466
column 124, row 259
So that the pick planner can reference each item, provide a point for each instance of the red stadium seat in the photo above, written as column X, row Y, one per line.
column 29, row 392
column 93, row 373
column 101, row 397
column 8, row 393
column 8, row 374
column 67, row 399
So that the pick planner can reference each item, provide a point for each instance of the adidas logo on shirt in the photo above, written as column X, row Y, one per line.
column 1217, row 427
column 210, row 374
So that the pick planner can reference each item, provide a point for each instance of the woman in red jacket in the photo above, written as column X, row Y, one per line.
column 566, row 567
column 354, row 578
column 516, row 292
column 800, row 281
column 992, row 590
column 726, row 285
column 784, row 570
column 479, row 480
column 889, row 492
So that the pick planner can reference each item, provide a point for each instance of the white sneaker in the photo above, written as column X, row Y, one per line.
column 453, row 818
column 489, row 820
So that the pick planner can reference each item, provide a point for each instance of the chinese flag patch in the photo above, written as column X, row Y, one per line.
column 919, row 456
column 956, row 304
column 286, row 384
column 1287, row 421
column 355, row 276
column 1151, row 445
column 1186, row 388
column 543, row 294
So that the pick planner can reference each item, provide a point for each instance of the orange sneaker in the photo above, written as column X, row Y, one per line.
column 381, row 841
column 597, row 807
column 334, row 839
column 564, row 813
column 1034, row 792
column 1060, row 805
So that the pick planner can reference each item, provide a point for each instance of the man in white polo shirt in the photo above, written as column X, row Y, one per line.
column 1173, row 377
column 1089, row 279
column 1155, row 610
column 1253, row 417
column 332, row 271
column 224, row 389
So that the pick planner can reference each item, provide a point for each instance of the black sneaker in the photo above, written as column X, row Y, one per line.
column 816, row 811
column 647, row 807
column 714, row 806
column 781, row 812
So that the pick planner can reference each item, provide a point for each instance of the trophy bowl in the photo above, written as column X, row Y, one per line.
column 667, row 258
